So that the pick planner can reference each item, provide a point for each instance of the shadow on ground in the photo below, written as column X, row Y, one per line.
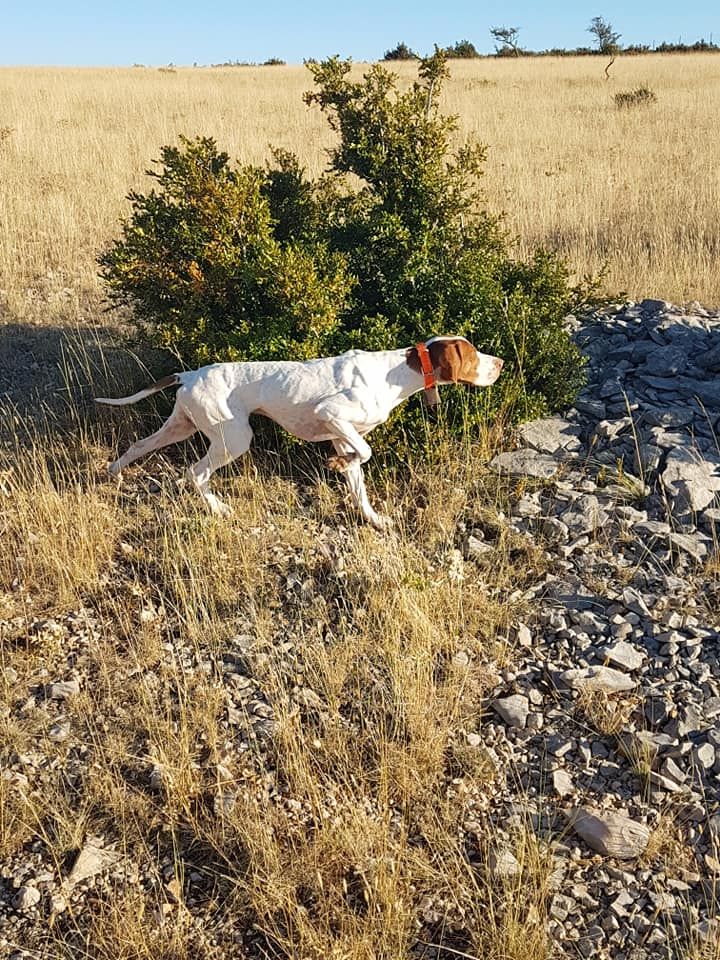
column 49, row 376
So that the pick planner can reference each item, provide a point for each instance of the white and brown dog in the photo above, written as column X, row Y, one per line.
column 333, row 398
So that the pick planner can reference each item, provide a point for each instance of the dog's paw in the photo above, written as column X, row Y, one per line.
column 382, row 522
column 217, row 507
column 115, row 470
column 340, row 463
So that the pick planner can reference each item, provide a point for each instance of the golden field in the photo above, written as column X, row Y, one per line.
column 637, row 190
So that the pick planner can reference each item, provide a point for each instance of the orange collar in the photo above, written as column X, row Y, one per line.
column 431, row 393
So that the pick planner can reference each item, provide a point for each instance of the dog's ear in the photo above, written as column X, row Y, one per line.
column 453, row 360
column 413, row 360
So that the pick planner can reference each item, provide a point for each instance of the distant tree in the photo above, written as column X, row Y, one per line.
column 606, row 39
column 508, row 37
column 274, row 62
column 463, row 50
column 401, row 52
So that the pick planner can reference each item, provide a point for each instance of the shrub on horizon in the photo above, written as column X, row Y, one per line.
column 401, row 52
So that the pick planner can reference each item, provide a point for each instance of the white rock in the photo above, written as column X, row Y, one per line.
column 62, row 689
column 26, row 898
column 524, row 463
column 690, row 479
column 513, row 710
column 91, row 860
column 562, row 782
column 624, row 656
column 550, row 435
column 503, row 863
column 611, row 834
column 59, row 731
column 705, row 755
column 604, row 679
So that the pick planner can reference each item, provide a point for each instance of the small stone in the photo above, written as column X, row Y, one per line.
column 692, row 544
column 672, row 770
column 513, row 710
column 158, row 778
column 559, row 746
column 709, row 929
column 611, row 834
column 59, row 732
column 705, row 755
column 562, row 782
column 224, row 803
column 689, row 721
column 645, row 746
column 691, row 480
column 58, row 903
column 503, row 863
column 604, row 679
column 525, row 463
column 475, row 548
column 26, row 899
column 623, row 655
column 550, row 435
column 92, row 859
column 62, row 689
column 620, row 904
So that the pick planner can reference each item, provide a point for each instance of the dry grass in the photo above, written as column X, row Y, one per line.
column 636, row 190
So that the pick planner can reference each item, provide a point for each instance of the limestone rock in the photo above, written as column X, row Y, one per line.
column 604, row 679
column 513, row 710
column 609, row 833
column 92, row 859
column 525, row 463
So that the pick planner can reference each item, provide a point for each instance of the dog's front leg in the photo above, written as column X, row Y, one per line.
column 348, row 463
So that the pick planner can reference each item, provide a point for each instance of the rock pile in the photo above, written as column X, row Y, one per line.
column 622, row 675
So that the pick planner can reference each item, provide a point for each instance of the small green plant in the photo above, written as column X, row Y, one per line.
column 391, row 246
column 641, row 97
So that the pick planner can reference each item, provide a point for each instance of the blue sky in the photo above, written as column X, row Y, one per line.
column 77, row 32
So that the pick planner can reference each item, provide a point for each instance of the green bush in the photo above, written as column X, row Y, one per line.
column 391, row 246
column 205, row 272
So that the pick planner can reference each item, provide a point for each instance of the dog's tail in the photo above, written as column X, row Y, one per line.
column 170, row 381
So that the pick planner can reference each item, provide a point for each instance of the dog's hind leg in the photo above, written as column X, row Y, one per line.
column 177, row 427
column 228, row 441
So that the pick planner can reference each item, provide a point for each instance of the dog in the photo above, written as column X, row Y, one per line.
column 340, row 399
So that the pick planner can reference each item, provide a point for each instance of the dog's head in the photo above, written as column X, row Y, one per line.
column 455, row 360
